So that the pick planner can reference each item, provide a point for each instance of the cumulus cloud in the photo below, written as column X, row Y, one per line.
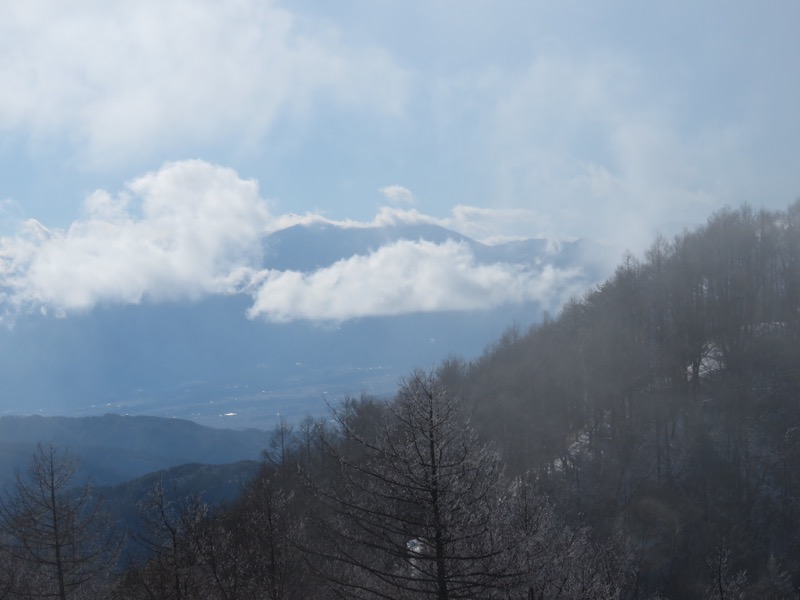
column 402, row 278
column 121, row 80
column 189, row 229
column 398, row 194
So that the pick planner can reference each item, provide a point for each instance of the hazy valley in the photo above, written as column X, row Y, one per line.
column 206, row 361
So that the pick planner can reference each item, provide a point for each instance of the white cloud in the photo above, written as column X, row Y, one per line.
column 386, row 216
column 402, row 278
column 189, row 229
column 193, row 229
column 125, row 79
column 398, row 194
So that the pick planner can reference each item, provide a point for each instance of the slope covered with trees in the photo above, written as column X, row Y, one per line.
column 664, row 404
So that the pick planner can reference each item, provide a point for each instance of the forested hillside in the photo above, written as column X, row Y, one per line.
column 664, row 405
column 644, row 443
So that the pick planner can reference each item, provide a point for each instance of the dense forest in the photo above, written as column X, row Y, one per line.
column 644, row 443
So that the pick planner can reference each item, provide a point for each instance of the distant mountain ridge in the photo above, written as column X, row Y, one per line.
column 114, row 448
column 310, row 247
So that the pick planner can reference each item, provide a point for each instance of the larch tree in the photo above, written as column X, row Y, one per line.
column 56, row 535
column 414, row 515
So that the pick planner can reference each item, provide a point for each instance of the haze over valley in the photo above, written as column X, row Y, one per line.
column 214, row 360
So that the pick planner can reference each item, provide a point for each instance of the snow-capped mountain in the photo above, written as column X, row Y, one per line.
column 309, row 247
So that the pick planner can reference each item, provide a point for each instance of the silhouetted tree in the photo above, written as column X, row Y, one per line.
column 553, row 560
column 7, row 575
column 269, row 536
column 58, row 537
column 725, row 583
column 414, row 514
column 171, row 568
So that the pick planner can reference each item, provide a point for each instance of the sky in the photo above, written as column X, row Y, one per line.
column 145, row 147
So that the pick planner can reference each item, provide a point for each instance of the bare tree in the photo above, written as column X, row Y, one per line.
column 172, row 567
column 57, row 535
column 555, row 561
column 725, row 584
column 270, row 541
column 414, row 518
column 281, row 444
column 7, row 576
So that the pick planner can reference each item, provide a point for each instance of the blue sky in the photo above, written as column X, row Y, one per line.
column 606, row 119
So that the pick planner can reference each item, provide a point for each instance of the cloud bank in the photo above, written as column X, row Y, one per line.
column 188, row 230
column 193, row 229
column 401, row 278
column 125, row 80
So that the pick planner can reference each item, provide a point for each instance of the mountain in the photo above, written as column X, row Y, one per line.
column 309, row 247
column 204, row 360
column 124, row 458
column 112, row 449
column 214, row 484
